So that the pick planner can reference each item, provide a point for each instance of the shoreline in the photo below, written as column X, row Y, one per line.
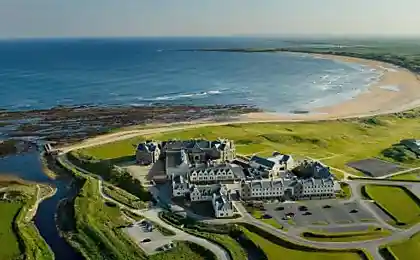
column 397, row 90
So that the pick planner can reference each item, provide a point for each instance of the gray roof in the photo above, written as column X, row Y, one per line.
column 178, row 186
column 280, row 158
column 317, row 182
column 264, row 184
column 173, row 159
column 188, row 144
column 178, row 182
column 207, row 189
column 262, row 161
column 238, row 172
column 224, row 203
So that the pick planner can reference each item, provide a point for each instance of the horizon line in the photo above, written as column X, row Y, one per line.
column 272, row 36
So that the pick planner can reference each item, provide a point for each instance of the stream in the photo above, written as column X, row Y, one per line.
column 27, row 166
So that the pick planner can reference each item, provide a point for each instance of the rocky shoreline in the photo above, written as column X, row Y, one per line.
column 65, row 125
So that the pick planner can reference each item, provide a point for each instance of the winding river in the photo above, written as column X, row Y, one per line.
column 28, row 166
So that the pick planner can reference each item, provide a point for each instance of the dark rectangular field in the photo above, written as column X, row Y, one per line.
column 374, row 167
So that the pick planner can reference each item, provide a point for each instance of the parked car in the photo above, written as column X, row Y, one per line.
column 290, row 214
column 146, row 240
column 303, row 208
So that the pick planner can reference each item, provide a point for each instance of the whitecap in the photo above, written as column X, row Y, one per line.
column 391, row 88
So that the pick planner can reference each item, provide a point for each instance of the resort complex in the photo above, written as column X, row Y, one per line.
column 202, row 170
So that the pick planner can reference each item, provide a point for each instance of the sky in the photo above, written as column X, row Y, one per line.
column 114, row 18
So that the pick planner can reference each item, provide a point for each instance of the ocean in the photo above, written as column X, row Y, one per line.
column 44, row 73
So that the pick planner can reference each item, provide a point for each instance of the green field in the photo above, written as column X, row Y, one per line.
column 18, row 235
column 409, row 249
column 221, row 235
column 10, row 245
column 98, row 235
column 370, row 234
column 345, row 191
column 185, row 251
column 351, row 139
column 124, row 197
column 275, row 251
column 410, row 176
column 396, row 201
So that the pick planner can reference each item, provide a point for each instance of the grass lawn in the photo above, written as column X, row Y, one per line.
column 231, row 245
column 19, row 237
column 124, row 197
column 345, row 191
column 396, row 201
column 409, row 249
column 275, row 251
column 185, row 250
column 98, row 231
column 362, row 138
column 9, row 240
column 410, row 176
column 370, row 234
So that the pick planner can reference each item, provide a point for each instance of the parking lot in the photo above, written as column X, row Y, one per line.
column 150, row 242
column 319, row 212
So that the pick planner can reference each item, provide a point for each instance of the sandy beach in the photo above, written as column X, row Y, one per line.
column 398, row 89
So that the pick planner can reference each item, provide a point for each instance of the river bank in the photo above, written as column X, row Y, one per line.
column 28, row 168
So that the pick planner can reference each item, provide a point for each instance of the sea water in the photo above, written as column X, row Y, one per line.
column 38, row 74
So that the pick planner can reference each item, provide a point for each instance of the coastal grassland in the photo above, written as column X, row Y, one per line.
column 396, row 201
column 370, row 234
column 274, row 247
column 19, row 236
column 183, row 251
column 222, row 235
column 400, row 52
column 123, row 197
column 410, row 176
column 408, row 249
column 98, row 233
column 345, row 191
column 349, row 139
column 119, row 151
column 116, row 176
column 9, row 238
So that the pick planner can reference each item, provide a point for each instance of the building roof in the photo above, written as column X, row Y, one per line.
column 187, row 144
column 207, row 190
column 223, row 203
column 173, row 159
column 280, row 158
column 238, row 172
column 262, row 161
column 178, row 183
column 266, row 183
column 317, row 182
